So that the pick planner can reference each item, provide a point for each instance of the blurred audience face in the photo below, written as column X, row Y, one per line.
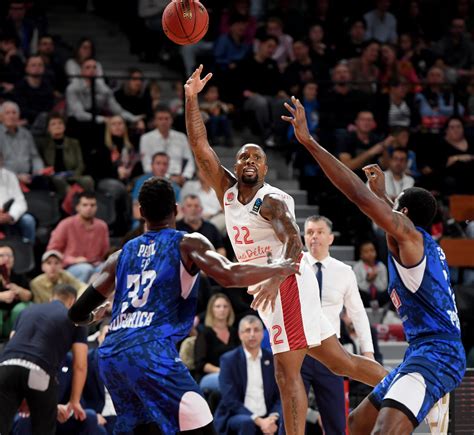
column 455, row 130
column 341, row 74
column 267, row 48
column 135, row 82
column 388, row 55
column 301, row 51
column 35, row 66
column 310, row 91
column 87, row 208
column 242, row 7
column 368, row 254
column 318, row 238
column 117, row 126
column 7, row 258
column 398, row 162
column 160, row 166
column 10, row 115
column 251, row 334
column 316, row 33
column 401, row 138
column 383, row 5
column 89, row 68
column 435, row 76
column 17, row 11
column 221, row 309
column 365, row 122
column 237, row 30
column 405, row 42
column 371, row 53
column 46, row 46
column 212, row 94
column 458, row 28
column 274, row 27
column 56, row 128
column 52, row 267
column 399, row 91
column 85, row 51
column 192, row 210
column 357, row 31
column 163, row 122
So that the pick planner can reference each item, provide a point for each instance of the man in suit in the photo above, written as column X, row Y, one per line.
column 250, row 399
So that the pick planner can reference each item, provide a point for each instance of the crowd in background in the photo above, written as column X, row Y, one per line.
column 381, row 82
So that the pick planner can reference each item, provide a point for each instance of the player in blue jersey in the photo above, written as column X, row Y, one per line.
column 419, row 287
column 155, row 280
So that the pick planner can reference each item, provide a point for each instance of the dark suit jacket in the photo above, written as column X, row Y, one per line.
column 233, row 384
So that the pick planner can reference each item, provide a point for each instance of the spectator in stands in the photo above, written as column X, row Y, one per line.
column 250, row 401
column 320, row 12
column 11, row 63
column 457, row 155
column 456, row 50
column 362, row 146
column 134, row 96
column 337, row 289
column 211, row 207
column 381, row 24
column 262, row 86
column 163, row 138
column 242, row 8
column 420, row 55
column 17, row 145
column 435, row 103
column 216, row 338
column 13, row 207
column 396, row 178
column 401, row 139
column 218, row 124
column 82, row 239
column 392, row 69
column 79, row 98
column 35, row 94
column 53, row 274
column 364, row 70
column 17, row 24
column 85, row 50
column 321, row 54
column 340, row 106
column 14, row 292
column 372, row 277
column 54, row 66
column 310, row 103
column 302, row 70
column 193, row 221
column 283, row 53
column 352, row 46
column 43, row 334
column 64, row 155
column 160, row 163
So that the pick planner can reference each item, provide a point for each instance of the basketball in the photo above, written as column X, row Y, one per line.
column 185, row 21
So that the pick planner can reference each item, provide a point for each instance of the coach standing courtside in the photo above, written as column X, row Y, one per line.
column 338, row 288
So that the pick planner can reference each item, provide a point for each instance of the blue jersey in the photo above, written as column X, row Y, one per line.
column 422, row 294
column 155, row 297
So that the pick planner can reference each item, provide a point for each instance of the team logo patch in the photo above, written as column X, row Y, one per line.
column 229, row 198
column 256, row 206
column 395, row 299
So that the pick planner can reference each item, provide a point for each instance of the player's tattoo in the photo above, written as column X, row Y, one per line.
column 401, row 222
column 194, row 124
column 284, row 225
column 294, row 414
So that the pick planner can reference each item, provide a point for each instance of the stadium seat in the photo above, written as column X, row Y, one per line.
column 24, row 256
column 459, row 252
column 343, row 253
column 461, row 207
column 44, row 206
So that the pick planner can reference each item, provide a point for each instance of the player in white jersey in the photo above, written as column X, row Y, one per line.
column 261, row 225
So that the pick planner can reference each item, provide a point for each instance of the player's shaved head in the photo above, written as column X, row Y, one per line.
column 247, row 146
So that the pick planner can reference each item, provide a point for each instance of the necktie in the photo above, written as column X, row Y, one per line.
column 319, row 277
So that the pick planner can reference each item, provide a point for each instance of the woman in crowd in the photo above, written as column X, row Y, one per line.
column 85, row 50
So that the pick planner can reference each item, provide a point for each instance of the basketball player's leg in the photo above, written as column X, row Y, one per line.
column 342, row 363
column 393, row 421
column 362, row 419
column 292, row 391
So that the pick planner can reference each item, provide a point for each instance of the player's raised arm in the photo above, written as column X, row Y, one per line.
column 91, row 305
column 197, row 250
column 206, row 159
column 395, row 223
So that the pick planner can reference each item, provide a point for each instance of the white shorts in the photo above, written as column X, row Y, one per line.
column 298, row 321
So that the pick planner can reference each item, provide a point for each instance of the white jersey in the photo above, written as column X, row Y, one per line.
column 297, row 321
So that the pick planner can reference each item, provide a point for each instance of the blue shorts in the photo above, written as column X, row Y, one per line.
column 150, row 384
column 431, row 369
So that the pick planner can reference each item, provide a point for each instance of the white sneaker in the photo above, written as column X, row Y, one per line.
column 438, row 417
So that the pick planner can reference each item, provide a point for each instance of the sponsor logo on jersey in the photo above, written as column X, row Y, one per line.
column 256, row 206
column 255, row 253
column 395, row 299
column 229, row 198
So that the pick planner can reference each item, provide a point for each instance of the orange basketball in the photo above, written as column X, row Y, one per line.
column 185, row 21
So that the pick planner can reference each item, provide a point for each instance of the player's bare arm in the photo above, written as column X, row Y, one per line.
column 197, row 252
column 206, row 159
column 276, row 212
column 396, row 224
column 376, row 180
column 90, row 307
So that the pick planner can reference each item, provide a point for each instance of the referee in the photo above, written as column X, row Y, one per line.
column 338, row 288
column 40, row 339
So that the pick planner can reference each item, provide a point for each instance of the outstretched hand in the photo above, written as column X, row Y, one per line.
column 195, row 84
column 297, row 120
column 376, row 179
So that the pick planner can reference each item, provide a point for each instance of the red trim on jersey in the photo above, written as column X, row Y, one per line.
column 292, row 318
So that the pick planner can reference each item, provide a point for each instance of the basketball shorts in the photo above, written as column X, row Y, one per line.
column 431, row 368
column 150, row 384
column 297, row 321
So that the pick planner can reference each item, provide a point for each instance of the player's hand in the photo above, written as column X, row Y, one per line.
column 297, row 120
column 63, row 413
column 195, row 84
column 101, row 421
column 101, row 311
column 77, row 410
column 376, row 179
column 286, row 267
column 265, row 294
